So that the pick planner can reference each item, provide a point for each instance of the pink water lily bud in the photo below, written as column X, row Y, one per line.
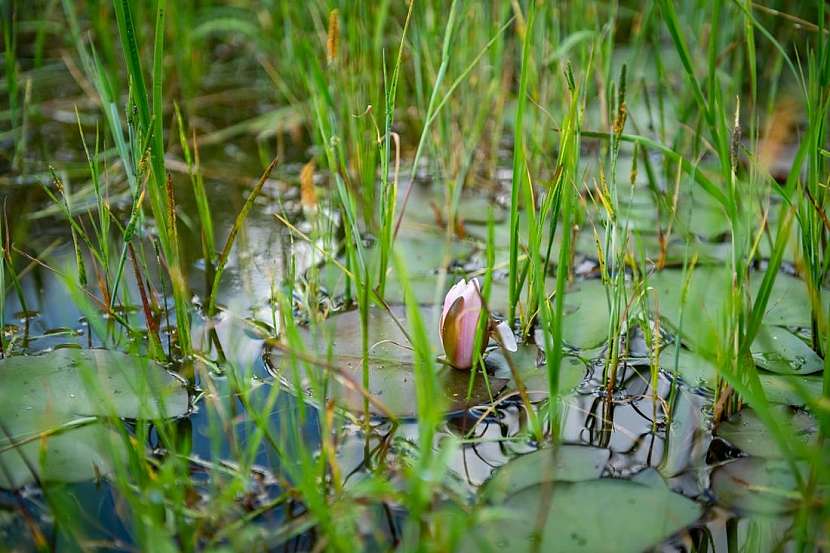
column 459, row 321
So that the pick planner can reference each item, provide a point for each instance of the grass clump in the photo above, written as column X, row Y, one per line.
column 215, row 187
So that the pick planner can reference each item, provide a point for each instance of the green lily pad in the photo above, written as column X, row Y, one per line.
column 583, row 243
column 391, row 364
column 780, row 351
column 755, row 485
column 565, row 463
column 687, row 438
column 678, row 250
column 585, row 321
column 595, row 515
column 765, row 533
column 57, row 397
column 77, row 455
column 693, row 368
column 428, row 206
column 585, row 324
column 702, row 219
column 789, row 302
column 746, row 431
column 704, row 311
column 423, row 253
column 699, row 327
column 533, row 374
column 795, row 390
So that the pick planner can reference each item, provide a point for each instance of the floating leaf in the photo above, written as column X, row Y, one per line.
column 706, row 220
column 789, row 301
column 678, row 249
column 51, row 401
column 746, row 431
column 795, row 390
column 585, row 321
column 76, row 455
column 693, row 368
column 776, row 348
column 585, row 324
column 764, row 533
column 753, row 484
column 780, row 351
column 595, row 515
column 428, row 208
column 687, row 437
column 535, row 376
column 391, row 364
column 565, row 463
column 424, row 252
column 700, row 328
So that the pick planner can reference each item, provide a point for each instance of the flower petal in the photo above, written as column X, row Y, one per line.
column 472, row 295
column 449, row 329
column 505, row 336
column 454, row 293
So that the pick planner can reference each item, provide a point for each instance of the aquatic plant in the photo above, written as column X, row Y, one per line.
column 461, row 315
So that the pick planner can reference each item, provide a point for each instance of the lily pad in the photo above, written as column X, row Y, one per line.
column 755, row 485
column 780, row 351
column 391, row 364
column 746, row 431
column 57, row 397
column 700, row 218
column 79, row 454
column 699, row 317
column 678, row 249
column 702, row 313
column 533, row 374
column 423, row 253
column 693, row 368
column 585, row 321
column 765, row 533
column 565, row 463
column 789, row 301
column 595, row 515
column 428, row 207
column 687, row 437
column 795, row 390
column 585, row 324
